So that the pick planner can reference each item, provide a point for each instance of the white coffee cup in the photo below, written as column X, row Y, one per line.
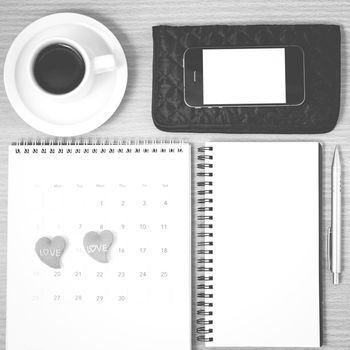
column 97, row 90
column 94, row 65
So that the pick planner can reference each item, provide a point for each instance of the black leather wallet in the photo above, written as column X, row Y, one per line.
column 317, row 114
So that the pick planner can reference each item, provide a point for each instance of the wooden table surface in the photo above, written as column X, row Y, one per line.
column 131, row 22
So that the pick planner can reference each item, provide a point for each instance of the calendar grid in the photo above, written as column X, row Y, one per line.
column 120, row 213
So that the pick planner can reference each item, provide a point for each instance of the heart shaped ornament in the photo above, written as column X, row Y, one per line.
column 50, row 250
column 97, row 244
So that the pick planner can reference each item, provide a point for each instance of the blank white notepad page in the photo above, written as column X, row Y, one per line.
column 141, row 298
column 266, row 244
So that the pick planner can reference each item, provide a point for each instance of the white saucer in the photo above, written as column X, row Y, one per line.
column 43, row 111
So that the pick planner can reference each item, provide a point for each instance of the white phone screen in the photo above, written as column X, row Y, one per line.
column 244, row 76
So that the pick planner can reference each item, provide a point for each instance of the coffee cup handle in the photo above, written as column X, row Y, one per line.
column 102, row 64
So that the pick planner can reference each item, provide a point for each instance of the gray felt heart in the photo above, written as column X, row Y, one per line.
column 98, row 244
column 50, row 251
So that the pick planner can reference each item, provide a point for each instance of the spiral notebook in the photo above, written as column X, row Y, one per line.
column 258, row 255
column 99, row 243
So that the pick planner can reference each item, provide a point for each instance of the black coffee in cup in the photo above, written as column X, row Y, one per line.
column 59, row 68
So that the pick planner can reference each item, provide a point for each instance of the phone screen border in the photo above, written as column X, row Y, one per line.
column 193, row 76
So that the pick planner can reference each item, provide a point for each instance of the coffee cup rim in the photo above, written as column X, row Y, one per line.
column 67, row 41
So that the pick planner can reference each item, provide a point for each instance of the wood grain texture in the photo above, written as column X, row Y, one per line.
column 131, row 22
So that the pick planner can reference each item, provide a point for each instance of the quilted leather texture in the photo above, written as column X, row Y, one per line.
column 318, row 114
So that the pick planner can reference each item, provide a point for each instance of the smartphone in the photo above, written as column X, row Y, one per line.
column 244, row 76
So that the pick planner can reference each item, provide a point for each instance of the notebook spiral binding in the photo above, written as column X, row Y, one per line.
column 93, row 142
column 204, row 246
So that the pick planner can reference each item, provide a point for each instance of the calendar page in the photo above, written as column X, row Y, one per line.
column 99, row 247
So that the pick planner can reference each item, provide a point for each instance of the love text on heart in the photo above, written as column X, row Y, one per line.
column 91, row 248
column 50, row 252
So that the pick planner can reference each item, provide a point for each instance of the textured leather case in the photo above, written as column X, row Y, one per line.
column 318, row 114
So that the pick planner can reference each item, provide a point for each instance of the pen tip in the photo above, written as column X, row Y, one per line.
column 336, row 156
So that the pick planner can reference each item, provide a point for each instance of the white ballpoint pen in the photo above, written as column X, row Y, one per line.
column 335, row 231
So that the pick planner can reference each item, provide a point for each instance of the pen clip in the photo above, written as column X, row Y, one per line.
column 328, row 248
